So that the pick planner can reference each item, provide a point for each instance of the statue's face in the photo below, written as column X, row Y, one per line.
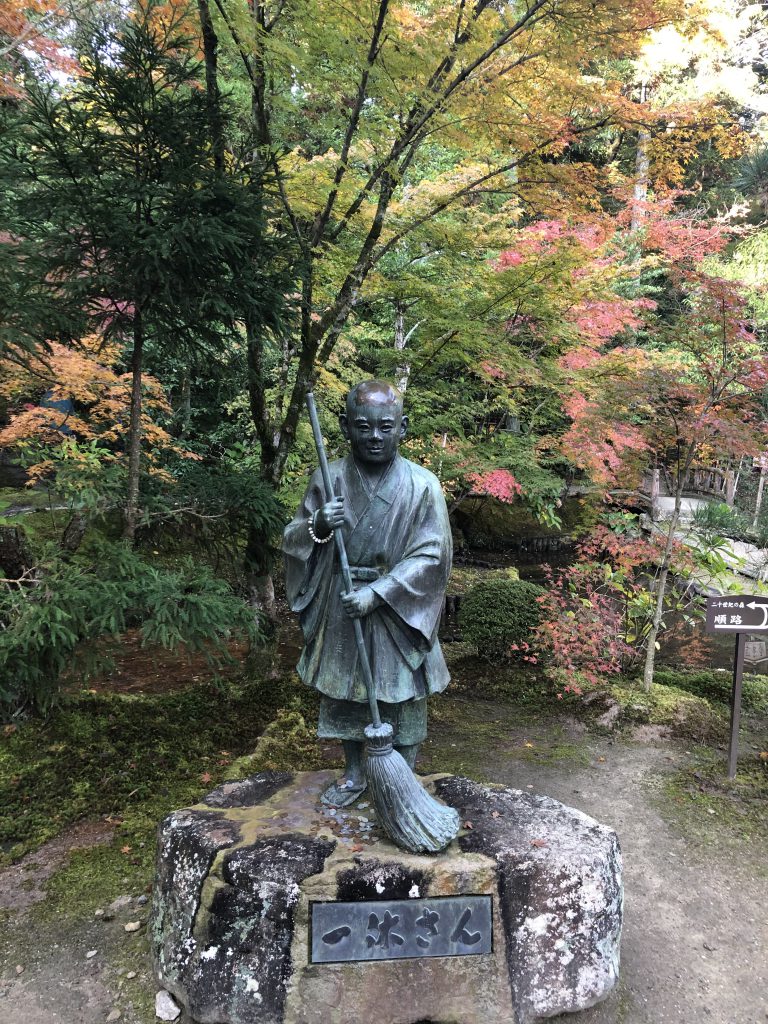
column 374, row 431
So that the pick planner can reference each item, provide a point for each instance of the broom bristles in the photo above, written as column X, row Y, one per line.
column 412, row 818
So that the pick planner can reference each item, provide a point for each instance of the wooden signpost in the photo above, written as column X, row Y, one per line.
column 740, row 614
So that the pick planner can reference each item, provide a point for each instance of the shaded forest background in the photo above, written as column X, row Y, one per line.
column 546, row 221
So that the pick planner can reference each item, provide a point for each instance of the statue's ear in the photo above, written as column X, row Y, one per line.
column 403, row 426
column 344, row 425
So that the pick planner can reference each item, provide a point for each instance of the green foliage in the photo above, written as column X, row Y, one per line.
column 51, row 624
column 212, row 503
column 499, row 613
column 122, row 221
column 718, row 518
column 752, row 174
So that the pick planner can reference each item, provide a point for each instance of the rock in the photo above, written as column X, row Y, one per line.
column 141, row 900
column 91, row 953
column 19, row 969
column 98, row 912
column 130, row 975
column 609, row 716
column 113, row 1015
column 562, row 903
column 132, row 926
column 247, row 792
column 232, row 909
column 165, row 1007
column 120, row 904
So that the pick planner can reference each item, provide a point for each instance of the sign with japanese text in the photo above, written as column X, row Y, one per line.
column 737, row 613
column 395, row 929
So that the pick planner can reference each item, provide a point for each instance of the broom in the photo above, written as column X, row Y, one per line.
column 412, row 818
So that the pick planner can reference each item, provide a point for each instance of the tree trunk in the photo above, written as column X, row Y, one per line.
column 213, row 97
column 260, row 589
column 730, row 487
column 403, row 371
column 655, row 487
column 666, row 559
column 658, row 612
column 134, row 434
column 184, row 410
column 759, row 499
column 642, row 167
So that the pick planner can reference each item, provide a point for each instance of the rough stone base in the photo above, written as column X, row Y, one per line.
column 236, row 875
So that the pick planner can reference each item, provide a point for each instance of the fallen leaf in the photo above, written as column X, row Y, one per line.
column 601, row 760
column 125, row 849
column 539, row 843
column 529, row 745
column 468, row 824
column 764, row 755
column 495, row 814
column 206, row 777
column 9, row 730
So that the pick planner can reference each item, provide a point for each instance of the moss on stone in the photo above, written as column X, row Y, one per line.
column 464, row 577
column 684, row 714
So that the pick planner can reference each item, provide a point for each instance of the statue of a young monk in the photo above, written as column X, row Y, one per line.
column 395, row 524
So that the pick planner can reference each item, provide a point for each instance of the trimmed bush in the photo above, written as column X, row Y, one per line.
column 498, row 613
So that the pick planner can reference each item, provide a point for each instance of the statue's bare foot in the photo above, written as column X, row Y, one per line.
column 343, row 792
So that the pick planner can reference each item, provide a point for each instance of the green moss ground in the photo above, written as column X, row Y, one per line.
column 128, row 757
column 713, row 811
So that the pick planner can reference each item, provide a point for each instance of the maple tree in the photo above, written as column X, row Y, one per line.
column 671, row 405
column 30, row 36
column 445, row 107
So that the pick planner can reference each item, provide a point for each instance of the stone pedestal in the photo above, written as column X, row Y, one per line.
column 239, row 877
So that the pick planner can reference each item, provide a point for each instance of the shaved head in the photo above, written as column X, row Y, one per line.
column 373, row 422
column 373, row 392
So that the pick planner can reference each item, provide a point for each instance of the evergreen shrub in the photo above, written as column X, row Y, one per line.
column 498, row 613
column 48, row 626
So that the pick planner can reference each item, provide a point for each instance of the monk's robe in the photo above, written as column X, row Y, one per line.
column 399, row 543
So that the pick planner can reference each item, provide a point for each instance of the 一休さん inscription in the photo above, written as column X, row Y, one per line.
column 395, row 929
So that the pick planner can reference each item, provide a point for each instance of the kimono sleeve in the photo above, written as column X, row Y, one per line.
column 414, row 587
column 306, row 563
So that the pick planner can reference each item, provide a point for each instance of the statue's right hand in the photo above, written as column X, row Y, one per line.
column 329, row 516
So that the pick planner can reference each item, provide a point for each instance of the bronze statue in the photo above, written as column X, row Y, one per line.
column 394, row 521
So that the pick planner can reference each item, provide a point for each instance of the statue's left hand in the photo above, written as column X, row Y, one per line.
column 360, row 603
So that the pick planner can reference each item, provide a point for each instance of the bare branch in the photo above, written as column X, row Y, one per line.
column 354, row 119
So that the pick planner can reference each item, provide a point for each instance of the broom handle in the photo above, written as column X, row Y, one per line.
column 342, row 550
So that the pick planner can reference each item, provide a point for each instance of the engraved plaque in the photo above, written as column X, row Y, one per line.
column 395, row 929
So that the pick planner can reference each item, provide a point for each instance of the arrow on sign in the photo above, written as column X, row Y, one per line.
column 764, row 607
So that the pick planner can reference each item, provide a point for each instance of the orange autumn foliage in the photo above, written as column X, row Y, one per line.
column 77, row 393
column 25, row 26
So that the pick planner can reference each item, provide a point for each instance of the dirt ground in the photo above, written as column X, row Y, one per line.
column 695, row 943
column 695, row 938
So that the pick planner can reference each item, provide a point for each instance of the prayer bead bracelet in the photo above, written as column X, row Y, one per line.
column 317, row 540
